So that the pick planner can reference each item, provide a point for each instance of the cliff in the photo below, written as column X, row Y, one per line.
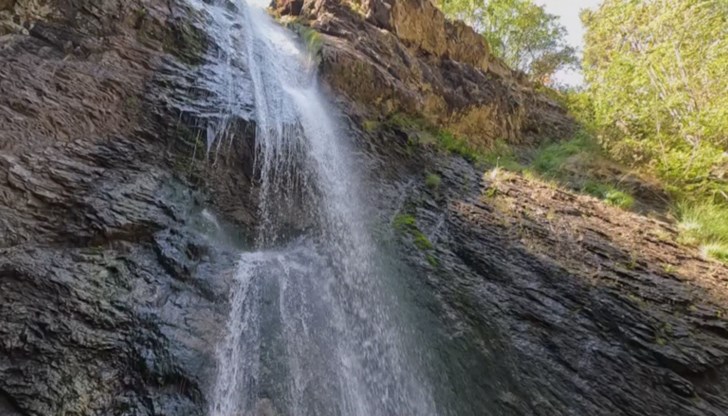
column 391, row 57
column 119, row 232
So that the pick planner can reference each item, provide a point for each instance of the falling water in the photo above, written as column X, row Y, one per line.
column 312, row 330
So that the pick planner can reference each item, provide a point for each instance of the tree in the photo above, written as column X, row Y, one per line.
column 519, row 32
column 657, row 77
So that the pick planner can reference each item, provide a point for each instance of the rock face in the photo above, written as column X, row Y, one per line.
column 554, row 303
column 404, row 57
column 112, row 284
column 114, row 273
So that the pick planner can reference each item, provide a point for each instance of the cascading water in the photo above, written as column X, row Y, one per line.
column 312, row 329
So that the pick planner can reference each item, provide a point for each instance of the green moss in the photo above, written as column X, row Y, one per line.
column 421, row 240
column 312, row 39
column 432, row 260
column 370, row 125
column 407, row 224
column 433, row 181
column 187, row 43
column 404, row 222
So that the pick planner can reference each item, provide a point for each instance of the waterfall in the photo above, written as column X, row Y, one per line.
column 313, row 328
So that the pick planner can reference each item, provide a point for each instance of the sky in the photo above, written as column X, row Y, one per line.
column 569, row 10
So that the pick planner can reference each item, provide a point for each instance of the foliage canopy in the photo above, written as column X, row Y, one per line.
column 657, row 74
column 519, row 32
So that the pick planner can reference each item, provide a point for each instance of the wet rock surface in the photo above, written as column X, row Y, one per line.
column 553, row 302
column 112, row 282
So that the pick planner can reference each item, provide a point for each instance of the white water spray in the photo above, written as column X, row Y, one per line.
column 311, row 326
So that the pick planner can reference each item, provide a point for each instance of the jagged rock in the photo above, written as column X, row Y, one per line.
column 112, row 299
column 555, row 302
column 404, row 56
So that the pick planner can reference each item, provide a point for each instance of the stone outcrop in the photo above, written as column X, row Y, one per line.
column 555, row 303
column 112, row 282
column 405, row 57
column 113, row 276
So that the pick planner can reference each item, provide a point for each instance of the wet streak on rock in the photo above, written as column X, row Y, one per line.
column 109, row 292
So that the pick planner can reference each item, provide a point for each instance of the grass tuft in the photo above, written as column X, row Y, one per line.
column 552, row 157
column 705, row 224
column 458, row 146
column 718, row 251
column 370, row 125
column 609, row 194
column 433, row 181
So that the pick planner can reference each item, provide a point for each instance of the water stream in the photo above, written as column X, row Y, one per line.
column 313, row 326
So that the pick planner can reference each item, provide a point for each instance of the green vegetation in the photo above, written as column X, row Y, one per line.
column 659, row 89
column 433, row 181
column 421, row 241
column 610, row 194
column 457, row 146
column 370, row 126
column 407, row 224
column 657, row 98
column 705, row 224
column 312, row 39
column 519, row 32
column 501, row 155
column 550, row 158
column 655, row 101
column 547, row 161
column 404, row 222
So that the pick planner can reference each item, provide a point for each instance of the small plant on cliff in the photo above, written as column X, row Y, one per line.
column 502, row 156
column 370, row 126
column 458, row 146
column 433, row 181
column 609, row 194
column 311, row 39
column 407, row 224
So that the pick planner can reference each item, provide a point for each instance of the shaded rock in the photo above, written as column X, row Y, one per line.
column 112, row 298
column 554, row 302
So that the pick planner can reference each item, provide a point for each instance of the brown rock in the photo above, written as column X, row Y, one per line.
column 405, row 57
column 6, row 4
